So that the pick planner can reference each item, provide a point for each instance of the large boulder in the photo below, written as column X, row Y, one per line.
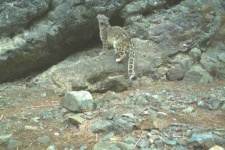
column 180, row 65
column 78, row 101
column 197, row 74
column 213, row 61
column 87, row 70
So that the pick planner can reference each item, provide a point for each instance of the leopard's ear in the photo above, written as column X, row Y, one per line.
column 102, row 16
column 98, row 16
column 107, row 18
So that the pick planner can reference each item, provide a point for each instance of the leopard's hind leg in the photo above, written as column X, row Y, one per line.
column 119, row 50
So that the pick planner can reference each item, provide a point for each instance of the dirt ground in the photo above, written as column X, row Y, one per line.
column 19, row 98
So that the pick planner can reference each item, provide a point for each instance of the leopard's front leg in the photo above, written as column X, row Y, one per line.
column 105, row 45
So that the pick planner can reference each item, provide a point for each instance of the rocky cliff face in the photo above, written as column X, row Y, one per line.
column 37, row 34
column 174, row 40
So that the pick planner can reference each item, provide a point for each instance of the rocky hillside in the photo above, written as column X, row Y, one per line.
column 57, row 91
column 153, row 116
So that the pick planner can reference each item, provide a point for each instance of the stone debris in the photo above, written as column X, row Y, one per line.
column 78, row 101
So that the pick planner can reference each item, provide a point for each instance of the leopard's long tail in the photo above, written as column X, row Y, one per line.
column 131, row 60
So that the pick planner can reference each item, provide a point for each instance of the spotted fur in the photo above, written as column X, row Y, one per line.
column 118, row 38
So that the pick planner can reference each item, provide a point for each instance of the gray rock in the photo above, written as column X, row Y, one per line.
column 44, row 139
column 197, row 74
column 188, row 133
column 78, row 101
column 115, row 83
column 110, row 113
column 155, row 132
column 180, row 65
column 100, row 126
column 210, row 61
column 150, row 97
column 5, row 138
column 160, row 123
column 129, row 101
column 170, row 142
column 216, row 147
column 149, row 112
column 175, row 73
column 143, row 144
column 27, row 127
column 181, row 142
column 51, row 147
column 129, row 139
column 213, row 102
column 14, row 20
column 159, row 143
column 222, row 73
column 174, row 108
column 219, row 132
column 164, row 106
column 188, row 110
column 140, row 100
column 15, row 117
column 152, row 137
column 111, row 146
column 43, row 95
column 84, row 147
column 130, row 117
column 222, row 57
column 223, row 106
column 57, row 113
column 13, row 144
column 76, row 119
column 121, row 125
column 202, row 140
column 70, row 147
column 195, row 53
column 139, row 7
column 108, row 136
column 4, row 128
column 201, row 104
column 179, row 147
column 101, row 78
column 191, row 100
column 46, row 115
column 219, row 140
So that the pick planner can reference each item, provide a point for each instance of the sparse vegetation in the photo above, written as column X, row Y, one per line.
column 28, row 103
